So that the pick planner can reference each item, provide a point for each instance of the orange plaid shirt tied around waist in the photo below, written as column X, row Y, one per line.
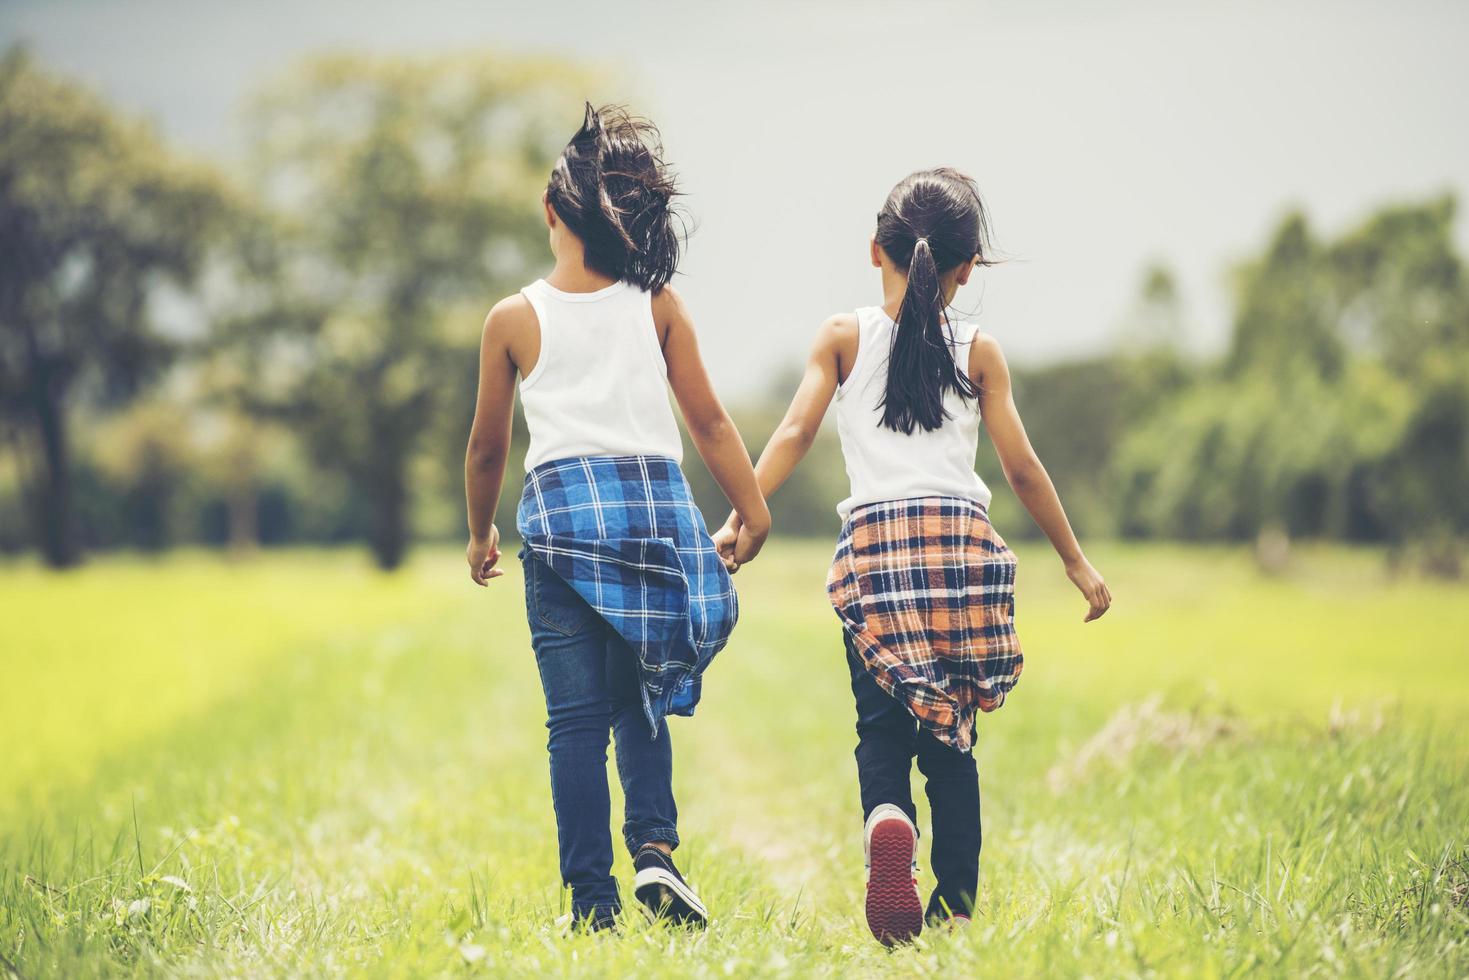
column 925, row 589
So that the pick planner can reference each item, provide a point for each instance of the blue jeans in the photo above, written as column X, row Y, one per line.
column 590, row 678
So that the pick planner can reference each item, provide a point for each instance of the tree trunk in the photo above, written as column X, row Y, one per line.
column 242, row 480
column 58, row 532
column 388, row 491
column 244, row 520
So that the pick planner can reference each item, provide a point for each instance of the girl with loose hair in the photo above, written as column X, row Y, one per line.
column 626, row 597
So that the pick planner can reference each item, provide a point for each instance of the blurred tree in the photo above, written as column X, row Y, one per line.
column 1285, row 317
column 1341, row 409
column 1424, row 474
column 94, row 217
column 147, row 459
column 1077, row 413
column 1401, row 286
column 1155, row 323
column 233, row 463
column 406, row 198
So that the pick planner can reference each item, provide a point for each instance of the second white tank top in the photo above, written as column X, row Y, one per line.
column 600, row 385
column 887, row 465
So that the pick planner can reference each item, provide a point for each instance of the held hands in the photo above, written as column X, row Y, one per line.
column 1089, row 581
column 724, row 542
column 482, row 555
column 738, row 542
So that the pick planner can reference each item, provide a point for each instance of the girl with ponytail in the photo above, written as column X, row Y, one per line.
column 921, row 583
column 620, row 640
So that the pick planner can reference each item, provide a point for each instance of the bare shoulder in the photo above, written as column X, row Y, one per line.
column 837, row 337
column 670, row 312
column 836, row 343
column 510, row 318
column 668, row 302
column 513, row 332
column 839, row 326
column 986, row 360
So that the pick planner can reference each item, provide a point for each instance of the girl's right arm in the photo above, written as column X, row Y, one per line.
column 1023, row 469
column 713, row 432
column 511, row 338
column 792, row 439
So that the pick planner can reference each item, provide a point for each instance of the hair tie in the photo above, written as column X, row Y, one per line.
column 920, row 238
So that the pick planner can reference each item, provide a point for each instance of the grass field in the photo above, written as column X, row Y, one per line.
column 293, row 766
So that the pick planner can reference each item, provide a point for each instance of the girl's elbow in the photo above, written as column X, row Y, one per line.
column 712, row 429
column 797, row 435
column 1026, row 475
column 483, row 453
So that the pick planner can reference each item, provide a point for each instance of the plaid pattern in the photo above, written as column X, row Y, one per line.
column 925, row 589
column 623, row 532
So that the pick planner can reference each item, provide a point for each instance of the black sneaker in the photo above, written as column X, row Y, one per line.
column 600, row 919
column 662, row 889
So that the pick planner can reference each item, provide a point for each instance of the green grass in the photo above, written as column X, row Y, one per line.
column 293, row 766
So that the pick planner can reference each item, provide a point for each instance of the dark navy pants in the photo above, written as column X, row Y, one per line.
column 888, row 740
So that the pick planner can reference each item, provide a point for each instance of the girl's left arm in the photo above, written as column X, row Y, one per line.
column 489, row 437
column 1025, row 473
column 710, row 427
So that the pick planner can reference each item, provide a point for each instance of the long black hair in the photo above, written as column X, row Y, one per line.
column 614, row 192
column 933, row 222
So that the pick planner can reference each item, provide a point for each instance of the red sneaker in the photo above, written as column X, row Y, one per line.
column 894, row 910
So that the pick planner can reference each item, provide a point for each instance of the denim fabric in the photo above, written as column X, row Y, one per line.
column 590, row 678
column 888, row 740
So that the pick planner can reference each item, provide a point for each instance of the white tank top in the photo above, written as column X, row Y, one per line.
column 600, row 385
column 887, row 465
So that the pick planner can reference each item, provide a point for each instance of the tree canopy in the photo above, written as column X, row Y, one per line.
column 404, row 196
column 97, row 217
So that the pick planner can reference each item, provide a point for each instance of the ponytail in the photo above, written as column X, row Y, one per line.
column 921, row 366
column 931, row 223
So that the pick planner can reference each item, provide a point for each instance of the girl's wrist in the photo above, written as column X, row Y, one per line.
column 756, row 524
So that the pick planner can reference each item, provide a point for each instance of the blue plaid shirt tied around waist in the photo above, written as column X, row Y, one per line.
column 624, row 533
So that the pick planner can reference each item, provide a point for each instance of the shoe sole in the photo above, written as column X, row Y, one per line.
column 894, row 911
column 665, row 897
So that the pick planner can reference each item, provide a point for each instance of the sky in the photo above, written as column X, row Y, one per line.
column 1104, row 135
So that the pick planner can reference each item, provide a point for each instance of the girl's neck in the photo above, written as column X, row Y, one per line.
column 895, row 286
column 571, row 274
